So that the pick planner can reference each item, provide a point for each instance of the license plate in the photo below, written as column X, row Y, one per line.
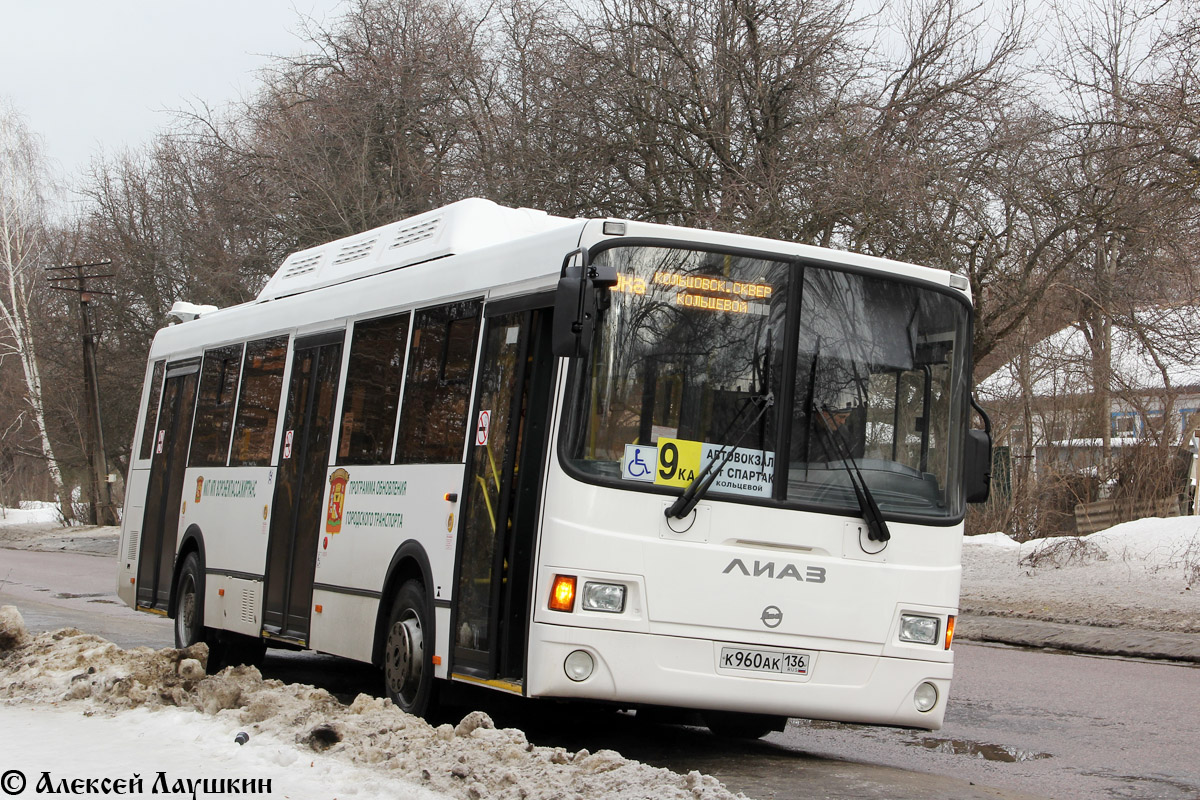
column 779, row 661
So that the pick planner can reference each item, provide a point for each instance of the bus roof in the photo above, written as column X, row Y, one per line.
column 458, row 228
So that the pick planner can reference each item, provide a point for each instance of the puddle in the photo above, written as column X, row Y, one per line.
column 958, row 747
column 74, row 596
column 988, row 752
column 824, row 724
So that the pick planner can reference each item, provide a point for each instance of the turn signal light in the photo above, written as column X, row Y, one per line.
column 562, row 593
column 949, row 630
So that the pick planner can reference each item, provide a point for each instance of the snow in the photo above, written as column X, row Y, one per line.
column 1143, row 574
column 144, row 711
column 30, row 513
column 996, row 539
column 181, row 745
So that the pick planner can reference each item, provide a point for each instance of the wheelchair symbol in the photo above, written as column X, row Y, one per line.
column 639, row 462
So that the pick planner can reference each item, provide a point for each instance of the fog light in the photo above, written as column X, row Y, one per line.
column 922, row 630
column 608, row 597
column 579, row 665
column 925, row 697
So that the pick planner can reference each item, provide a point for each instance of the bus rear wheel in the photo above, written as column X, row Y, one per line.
column 735, row 725
column 407, row 671
column 189, row 612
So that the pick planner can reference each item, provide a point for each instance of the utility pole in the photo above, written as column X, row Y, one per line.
column 81, row 275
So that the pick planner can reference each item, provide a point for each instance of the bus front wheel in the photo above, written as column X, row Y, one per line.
column 407, row 668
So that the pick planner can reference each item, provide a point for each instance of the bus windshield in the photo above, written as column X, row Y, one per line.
column 788, row 373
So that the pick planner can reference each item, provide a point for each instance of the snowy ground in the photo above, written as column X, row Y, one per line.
column 37, row 526
column 1142, row 575
column 77, row 707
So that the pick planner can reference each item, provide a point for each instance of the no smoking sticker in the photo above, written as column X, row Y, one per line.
column 481, row 430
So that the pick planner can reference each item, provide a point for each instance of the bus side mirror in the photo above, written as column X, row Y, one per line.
column 977, row 467
column 977, row 460
column 574, row 315
column 575, row 304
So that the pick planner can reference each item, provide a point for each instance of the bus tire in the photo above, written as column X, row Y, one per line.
column 189, row 612
column 735, row 725
column 407, row 666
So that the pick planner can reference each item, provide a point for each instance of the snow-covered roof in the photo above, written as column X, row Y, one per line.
column 1160, row 345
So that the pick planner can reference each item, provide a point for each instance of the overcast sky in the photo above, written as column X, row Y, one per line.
column 92, row 75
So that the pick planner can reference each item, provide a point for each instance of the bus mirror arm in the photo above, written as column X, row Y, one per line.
column 977, row 463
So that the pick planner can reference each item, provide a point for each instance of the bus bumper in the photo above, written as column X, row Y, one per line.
column 638, row 668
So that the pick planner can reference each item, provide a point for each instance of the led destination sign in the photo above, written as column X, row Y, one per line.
column 701, row 291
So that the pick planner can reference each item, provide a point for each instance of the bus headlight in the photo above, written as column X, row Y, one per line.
column 608, row 597
column 922, row 630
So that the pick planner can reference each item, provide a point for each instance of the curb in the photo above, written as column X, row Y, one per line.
column 1126, row 642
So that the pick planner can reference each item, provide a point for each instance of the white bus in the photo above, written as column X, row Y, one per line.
column 581, row 459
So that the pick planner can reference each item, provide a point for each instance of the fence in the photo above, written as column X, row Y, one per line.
column 1092, row 517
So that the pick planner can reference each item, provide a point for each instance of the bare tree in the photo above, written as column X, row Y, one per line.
column 367, row 128
column 1120, row 69
column 23, row 217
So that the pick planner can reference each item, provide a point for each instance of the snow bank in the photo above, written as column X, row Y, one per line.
column 182, row 745
column 30, row 513
column 1141, row 574
column 996, row 539
column 1156, row 544
column 471, row 760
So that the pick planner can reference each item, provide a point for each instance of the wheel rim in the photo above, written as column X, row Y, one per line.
column 185, row 614
column 405, row 658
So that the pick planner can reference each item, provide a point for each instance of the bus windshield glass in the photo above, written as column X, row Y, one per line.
column 787, row 373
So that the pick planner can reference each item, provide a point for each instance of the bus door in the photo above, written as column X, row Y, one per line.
column 502, row 491
column 160, row 525
column 297, row 509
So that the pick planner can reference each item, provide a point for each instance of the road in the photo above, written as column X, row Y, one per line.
column 1021, row 723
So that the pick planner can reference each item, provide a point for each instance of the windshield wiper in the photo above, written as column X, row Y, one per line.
column 877, row 529
column 695, row 490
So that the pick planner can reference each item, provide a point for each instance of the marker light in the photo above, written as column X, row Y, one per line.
column 925, row 697
column 562, row 593
column 609, row 597
column 922, row 630
column 579, row 665
column 949, row 630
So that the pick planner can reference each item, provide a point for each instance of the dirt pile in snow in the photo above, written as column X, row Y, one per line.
column 12, row 629
column 471, row 760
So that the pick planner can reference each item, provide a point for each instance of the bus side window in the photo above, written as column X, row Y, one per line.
column 373, row 390
column 258, row 403
column 440, row 365
column 214, row 406
column 150, row 424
